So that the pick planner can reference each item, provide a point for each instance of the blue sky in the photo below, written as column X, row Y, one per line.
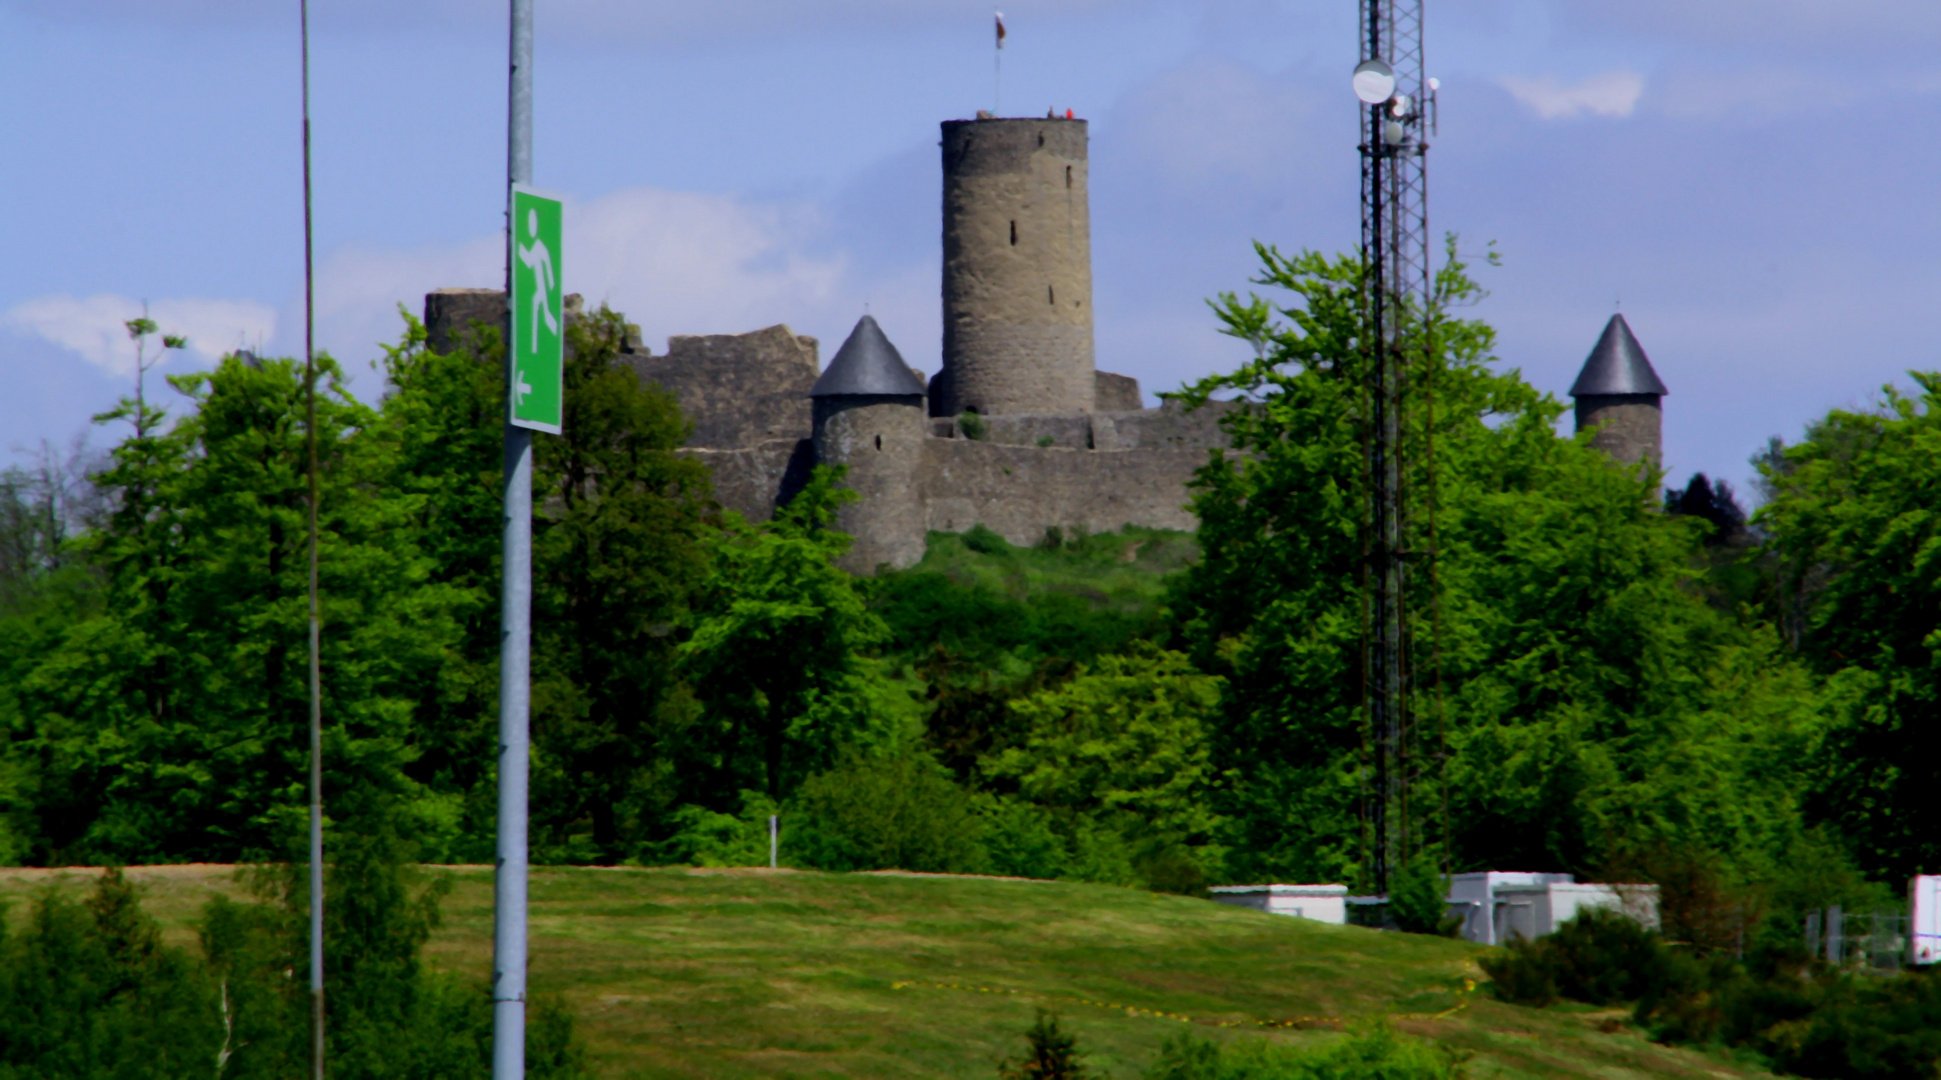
column 1754, row 180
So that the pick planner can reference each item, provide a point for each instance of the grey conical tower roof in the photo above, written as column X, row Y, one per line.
column 1617, row 365
column 867, row 364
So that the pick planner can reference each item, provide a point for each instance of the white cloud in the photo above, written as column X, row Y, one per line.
column 673, row 262
column 707, row 263
column 94, row 326
column 1612, row 93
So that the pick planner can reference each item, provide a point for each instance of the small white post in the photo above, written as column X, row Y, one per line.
column 774, row 835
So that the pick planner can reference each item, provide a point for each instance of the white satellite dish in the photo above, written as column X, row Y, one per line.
column 1374, row 82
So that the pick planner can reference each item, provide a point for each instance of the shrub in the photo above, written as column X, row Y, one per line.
column 972, row 425
column 1807, row 1021
column 1416, row 900
column 705, row 838
column 1020, row 840
column 1867, row 1029
column 893, row 813
column 88, row 990
column 389, row 1014
column 986, row 542
column 1600, row 957
column 1370, row 1053
column 1053, row 1056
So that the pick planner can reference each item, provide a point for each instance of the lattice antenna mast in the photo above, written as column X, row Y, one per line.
column 1397, row 107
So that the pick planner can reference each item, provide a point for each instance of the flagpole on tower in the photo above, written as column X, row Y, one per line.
column 997, row 69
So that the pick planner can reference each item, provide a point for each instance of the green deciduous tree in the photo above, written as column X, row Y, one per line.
column 775, row 652
column 1591, row 698
column 620, row 522
column 1855, row 522
column 1124, row 746
column 169, row 724
column 619, row 549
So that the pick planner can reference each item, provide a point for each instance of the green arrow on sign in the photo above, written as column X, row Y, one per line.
column 536, row 374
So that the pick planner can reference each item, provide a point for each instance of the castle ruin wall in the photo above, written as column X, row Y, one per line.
column 1020, row 492
column 738, row 390
column 755, row 428
column 1116, row 393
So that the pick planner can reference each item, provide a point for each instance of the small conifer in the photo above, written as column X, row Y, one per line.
column 1054, row 1054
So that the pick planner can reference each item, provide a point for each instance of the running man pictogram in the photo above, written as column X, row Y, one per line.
column 534, row 371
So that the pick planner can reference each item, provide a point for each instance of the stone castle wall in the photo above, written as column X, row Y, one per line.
column 1020, row 492
column 759, row 434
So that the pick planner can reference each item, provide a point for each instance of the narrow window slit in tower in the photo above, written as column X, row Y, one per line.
column 1051, row 297
column 1068, row 176
column 1014, row 234
column 879, row 442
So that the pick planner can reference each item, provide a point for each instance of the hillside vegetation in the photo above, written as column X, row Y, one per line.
column 755, row 973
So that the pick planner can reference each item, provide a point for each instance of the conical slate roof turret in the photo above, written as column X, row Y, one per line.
column 868, row 365
column 1617, row 365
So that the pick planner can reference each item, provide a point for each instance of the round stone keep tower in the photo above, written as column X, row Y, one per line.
column 1620, row 396
column 1017, row 269
column 868, row 409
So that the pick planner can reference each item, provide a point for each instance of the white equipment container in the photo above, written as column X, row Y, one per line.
column 1322, row 903
column 1497, row 905
column 1924, row 919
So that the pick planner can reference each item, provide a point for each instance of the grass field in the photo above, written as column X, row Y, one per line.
column 758, row 973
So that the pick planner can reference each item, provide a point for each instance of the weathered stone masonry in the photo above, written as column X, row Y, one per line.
column 1059, row 443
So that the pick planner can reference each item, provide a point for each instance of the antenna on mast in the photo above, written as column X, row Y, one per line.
column 1398, row 103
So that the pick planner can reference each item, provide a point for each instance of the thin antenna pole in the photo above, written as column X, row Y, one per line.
column 515, row 621
column 316, row 673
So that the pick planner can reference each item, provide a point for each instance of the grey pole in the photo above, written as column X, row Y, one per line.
column 774, row 838
column 316, row 673
column 515, row 633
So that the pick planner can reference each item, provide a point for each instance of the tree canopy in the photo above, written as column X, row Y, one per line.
column 1574, row 696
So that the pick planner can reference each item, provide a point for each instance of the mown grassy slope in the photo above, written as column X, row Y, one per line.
column 756, row 973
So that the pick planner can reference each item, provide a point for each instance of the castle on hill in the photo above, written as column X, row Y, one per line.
column 1018, row 431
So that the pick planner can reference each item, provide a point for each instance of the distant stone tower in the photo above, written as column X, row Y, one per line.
column 1620, row 395
column 1017, row 283
column 869, row 416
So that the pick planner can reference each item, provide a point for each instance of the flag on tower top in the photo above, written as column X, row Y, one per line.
column 1000, row 29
